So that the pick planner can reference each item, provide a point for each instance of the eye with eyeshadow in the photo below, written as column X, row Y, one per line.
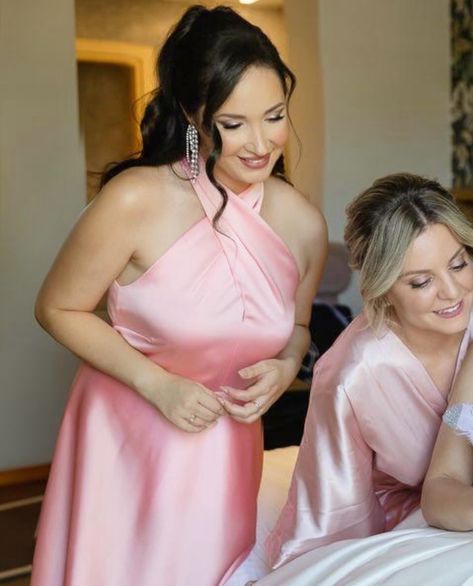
column 459, row 265
column 461, row 261
column 230, row 125
column 276, row 117
column 420, row 284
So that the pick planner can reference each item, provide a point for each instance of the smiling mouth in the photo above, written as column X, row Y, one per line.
column 451, row 311
column 255, row 162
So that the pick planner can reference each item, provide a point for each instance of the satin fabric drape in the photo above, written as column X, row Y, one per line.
column 372, row 421
column 132, row 500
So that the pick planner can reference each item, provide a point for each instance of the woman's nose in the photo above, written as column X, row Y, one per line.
column 449, row 288
column 258, row 143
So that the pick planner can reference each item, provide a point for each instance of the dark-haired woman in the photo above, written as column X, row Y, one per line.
column 211, row 262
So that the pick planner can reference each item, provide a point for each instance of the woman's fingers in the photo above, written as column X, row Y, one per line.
column 241, row 411
column 247, row 420
column 206, row 415
column 199, row 408
column 203, row 407
column 210, row 401
column 249, row 394
column 193, row 425
column 251, row 409
column 256, row 369
column 189, row 405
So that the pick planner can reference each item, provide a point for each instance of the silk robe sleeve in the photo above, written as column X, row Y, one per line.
column 372, row 421
column 332, row 495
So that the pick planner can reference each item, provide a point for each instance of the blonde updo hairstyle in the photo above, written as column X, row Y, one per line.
column 382, row 223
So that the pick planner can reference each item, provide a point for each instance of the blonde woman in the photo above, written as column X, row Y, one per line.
column 447, row 495
column 379, row 393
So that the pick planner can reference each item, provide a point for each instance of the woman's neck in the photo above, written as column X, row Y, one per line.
column 437, row 352
column 230, row 183
column 428, row 343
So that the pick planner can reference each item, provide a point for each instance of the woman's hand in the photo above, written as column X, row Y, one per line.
column 185, row 403
column 271, row 378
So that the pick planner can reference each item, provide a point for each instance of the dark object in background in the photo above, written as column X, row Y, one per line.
column 327, row 322
column 283, row 423
column 307, row 366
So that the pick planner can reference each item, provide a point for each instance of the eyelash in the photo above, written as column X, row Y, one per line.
column 459, row 267
column 276, row 118
column 235, row 126
column 456, row 268
column 420, row 285
column 230, row 126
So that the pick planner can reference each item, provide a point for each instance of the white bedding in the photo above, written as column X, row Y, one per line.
column 412, row 554
column 277, row 472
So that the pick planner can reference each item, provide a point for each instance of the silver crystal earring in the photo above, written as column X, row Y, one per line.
column 192, row 150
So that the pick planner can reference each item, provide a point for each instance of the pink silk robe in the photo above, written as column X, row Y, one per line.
column 372, row 421
column 132, row 500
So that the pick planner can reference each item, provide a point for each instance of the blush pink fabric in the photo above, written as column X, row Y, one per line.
column 371, row 426
column 132, row 500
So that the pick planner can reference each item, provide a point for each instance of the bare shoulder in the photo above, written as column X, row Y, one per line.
column 138, row 191
column 295, row 210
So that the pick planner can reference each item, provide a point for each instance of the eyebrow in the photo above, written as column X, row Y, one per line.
column 239, row 117
column 420, row 271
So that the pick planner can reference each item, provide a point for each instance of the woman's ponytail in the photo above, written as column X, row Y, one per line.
column 163, row 126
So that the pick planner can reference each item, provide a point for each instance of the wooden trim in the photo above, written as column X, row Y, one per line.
column 16, row 572
column 140, row 59
column 463, row 193
column 32, row 500
column 24, row 475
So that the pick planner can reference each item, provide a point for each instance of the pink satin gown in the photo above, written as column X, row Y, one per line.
column 132, row 500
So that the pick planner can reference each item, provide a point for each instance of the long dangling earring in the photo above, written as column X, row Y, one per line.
column 192, row 150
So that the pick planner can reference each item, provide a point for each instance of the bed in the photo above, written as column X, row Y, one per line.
column 411, row 554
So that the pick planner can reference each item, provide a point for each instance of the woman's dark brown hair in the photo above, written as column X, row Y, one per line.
column 199, row 65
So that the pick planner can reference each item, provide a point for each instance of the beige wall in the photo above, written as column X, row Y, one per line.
column 307, row 113
column 107, row 124
column 386, row 95
column 148, row 21
column 41, row 192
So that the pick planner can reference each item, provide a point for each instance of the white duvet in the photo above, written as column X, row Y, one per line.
column 412, row 554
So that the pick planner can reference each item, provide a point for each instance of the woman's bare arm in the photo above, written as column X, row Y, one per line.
column 99, row 247
column 447, row 495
